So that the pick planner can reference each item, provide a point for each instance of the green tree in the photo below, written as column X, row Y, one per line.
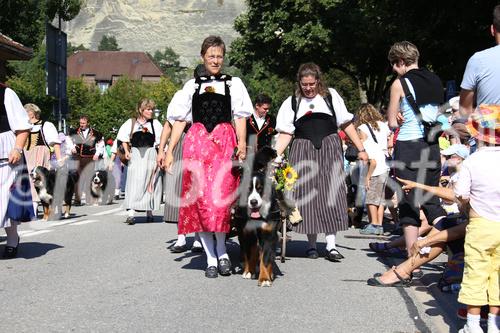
column 24, row 20
column 169, row 63
column 108, row 43
column 72, row 49
column 81, row 97
column 162, row 93
column 354, row 36
column 108, row 111
column 29, row 81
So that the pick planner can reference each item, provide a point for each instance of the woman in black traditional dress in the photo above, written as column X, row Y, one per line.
column 312, row 118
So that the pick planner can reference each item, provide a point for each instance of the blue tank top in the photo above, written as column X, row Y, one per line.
column 412, row 128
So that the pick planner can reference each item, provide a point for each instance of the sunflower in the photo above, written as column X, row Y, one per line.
column 290, row 175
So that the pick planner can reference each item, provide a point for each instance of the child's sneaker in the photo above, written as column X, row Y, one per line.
column 371, row 229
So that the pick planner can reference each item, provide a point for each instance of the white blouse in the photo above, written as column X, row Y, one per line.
column 284, row 120
column 180, row 105
column 18, row 121
column 50, row 133
column 18, row 118
column 124, row 131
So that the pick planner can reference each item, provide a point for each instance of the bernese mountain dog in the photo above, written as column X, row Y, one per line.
column 102, row 187
column 257, row 218
column 44, row 181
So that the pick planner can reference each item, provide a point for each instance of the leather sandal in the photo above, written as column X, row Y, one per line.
column 402, row 282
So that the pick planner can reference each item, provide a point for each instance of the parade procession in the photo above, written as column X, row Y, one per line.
column 276, row 166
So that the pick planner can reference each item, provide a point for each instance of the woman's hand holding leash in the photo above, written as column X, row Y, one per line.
column 169, row 160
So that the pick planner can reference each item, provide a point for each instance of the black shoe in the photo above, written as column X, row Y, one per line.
column 116, row 197
column 334, row 255
column 130, row 220
column 312, row 253
column 225, row 267
column 178, row 248
column 77, row 203
column 211, row 272
column 10, row 252
column 197, row 249
column 150, row 218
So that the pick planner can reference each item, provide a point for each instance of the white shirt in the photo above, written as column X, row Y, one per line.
column 50, row 133
column 114, row 147
column 284, row 120
column 85, row 132
column 18, row 121
column 180, row 105
column 479, row 181
column 260, row 121
column 376, row 153
column 382, row 134
column 124, row 131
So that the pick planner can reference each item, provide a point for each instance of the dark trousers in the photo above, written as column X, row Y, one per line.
column 84, row 173
column 413, row 159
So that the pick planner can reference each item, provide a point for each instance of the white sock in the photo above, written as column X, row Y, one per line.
column 131, row 213
column 117, row 191
column 493, row 323
column 220, row 237
column 35, row 207
column 312, row 240
column 207, row 239
column 473, row 323
column 181, row 240
column 330, row 242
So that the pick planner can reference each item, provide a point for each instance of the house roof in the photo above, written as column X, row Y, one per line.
column 106, row 64
column 11, row 50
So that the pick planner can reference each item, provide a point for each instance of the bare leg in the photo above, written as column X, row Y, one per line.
column 380, row 214
column 408, row 266
column 373, row 215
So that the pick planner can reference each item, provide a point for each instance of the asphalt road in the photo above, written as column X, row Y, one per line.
column 93, row 273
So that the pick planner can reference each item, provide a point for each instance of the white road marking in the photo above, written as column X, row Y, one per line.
column 84, row 222
column 110, row 211
column 29, row 233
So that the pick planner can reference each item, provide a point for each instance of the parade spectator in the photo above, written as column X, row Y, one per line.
column 140, row 136
column 312, row 117
column 14, row 131
column 88, row 148
column 482, row 74
column 211, row 103
column 375, row 134
column 414, row 150
column 42, row 141
column 261, row 124
column 478, row 187
column 449, row 231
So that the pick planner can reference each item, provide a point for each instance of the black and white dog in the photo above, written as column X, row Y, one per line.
column 257, row 219
column 44, row 181
column 102, row 187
